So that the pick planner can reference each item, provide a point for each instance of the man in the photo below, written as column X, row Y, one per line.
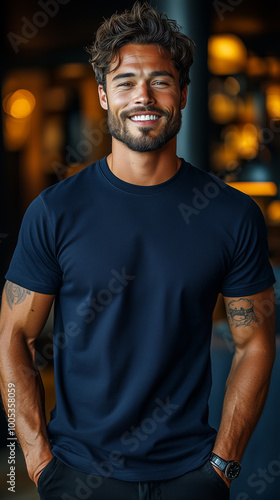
column 135, row 270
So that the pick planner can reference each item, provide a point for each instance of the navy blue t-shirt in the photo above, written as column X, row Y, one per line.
column 136, row 271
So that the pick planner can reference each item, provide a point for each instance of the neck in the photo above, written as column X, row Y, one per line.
column 143, row 169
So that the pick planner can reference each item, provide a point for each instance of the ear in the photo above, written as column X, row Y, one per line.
column 102, row 97
column 184, row 94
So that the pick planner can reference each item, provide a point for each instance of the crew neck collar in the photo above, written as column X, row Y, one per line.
column 137, row 189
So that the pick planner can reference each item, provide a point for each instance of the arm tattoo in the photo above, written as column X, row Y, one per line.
column 241, row 312
column 15, row 294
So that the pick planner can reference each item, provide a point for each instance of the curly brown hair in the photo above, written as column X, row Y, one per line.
column 142, row 25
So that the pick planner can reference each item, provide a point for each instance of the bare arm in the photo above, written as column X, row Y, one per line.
column 251, row 321
column 23, row 315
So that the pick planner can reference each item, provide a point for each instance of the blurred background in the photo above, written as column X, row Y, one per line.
column 53, row 126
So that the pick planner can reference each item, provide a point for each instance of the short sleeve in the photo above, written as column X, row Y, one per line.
column 34, row 265
column 250, row 271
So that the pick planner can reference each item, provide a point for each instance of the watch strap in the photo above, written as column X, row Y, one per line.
column 218, row 462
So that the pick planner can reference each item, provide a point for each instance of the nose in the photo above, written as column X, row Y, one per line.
column 144, row 94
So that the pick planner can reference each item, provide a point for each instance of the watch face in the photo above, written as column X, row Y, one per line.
column 232, row 470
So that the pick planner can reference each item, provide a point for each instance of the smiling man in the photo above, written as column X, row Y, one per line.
column 135, row 269
column 156, row 96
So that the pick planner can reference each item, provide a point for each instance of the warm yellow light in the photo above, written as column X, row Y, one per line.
column 19, row 104
column 256, row 188
column 15, row 132
column 20, row 108
column 246, row 108
column 222, row 157
column 273, row 66
column 226, row 54
column 72, row 70
column 273, row 101
column 243, row 139
column 221, row 108
column 273, row 211
column 248, row 143
column 273, row 105
column 256, row 66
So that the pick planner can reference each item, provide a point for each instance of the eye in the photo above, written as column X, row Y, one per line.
column 160, row 83
column 125, row 84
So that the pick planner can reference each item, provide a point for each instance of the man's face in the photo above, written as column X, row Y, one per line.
column 143, row 98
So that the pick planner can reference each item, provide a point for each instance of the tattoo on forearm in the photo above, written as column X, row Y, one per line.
column 241, row 312
column 15, row 294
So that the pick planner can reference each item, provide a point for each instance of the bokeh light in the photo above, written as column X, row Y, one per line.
column 19, row 104
column 226, row 54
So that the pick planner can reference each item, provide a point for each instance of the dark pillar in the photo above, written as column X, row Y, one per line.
column 194, row 19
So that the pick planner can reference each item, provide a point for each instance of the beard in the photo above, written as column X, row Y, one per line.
column 144, row 141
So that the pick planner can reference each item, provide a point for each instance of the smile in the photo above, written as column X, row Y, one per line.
column 144, row 118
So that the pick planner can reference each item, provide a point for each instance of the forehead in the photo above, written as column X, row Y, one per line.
column 141, row 58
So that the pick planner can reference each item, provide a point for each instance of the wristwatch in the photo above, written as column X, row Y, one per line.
column 231, row 468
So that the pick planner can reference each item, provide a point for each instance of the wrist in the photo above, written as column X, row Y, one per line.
column 227, row 449
column 37, row 464
column 36, row 458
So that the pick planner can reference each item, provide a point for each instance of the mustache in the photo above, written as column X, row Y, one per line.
column 143, row 109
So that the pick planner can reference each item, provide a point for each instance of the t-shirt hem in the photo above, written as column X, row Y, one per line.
column 150, row 474
column 249, row 290
column 129, row 476
column 30, row 285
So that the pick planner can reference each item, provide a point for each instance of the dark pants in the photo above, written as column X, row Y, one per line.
column 60, row 482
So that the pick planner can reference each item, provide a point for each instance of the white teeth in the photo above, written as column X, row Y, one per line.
column 144, row 118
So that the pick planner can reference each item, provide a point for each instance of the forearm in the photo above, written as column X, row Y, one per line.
column 17, row 362
column 246, row 392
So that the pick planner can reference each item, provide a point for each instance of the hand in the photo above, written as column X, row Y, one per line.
column 37, row 465
column 227, row 481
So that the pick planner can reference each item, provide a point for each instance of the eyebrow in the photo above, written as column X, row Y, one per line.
column 152, row 74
